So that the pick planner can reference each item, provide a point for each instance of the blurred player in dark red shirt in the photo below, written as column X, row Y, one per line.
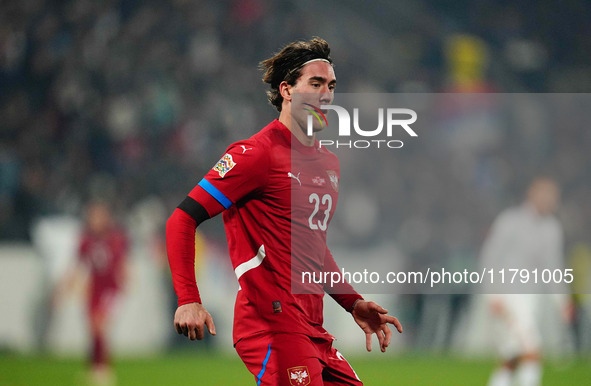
column 102, row 255
column 278, row 191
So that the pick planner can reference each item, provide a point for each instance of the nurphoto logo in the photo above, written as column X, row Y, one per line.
column 395, row 119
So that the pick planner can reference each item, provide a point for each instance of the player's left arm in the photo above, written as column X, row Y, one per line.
column 371, row 317
column 555, row 260
column 121, row 249
column 374, row 319
column 75, row 279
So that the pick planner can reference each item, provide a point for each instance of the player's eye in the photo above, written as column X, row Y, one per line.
column 331, row 87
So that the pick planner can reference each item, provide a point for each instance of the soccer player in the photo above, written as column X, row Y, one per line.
column 102, row 256
column 276, row 180
column 530, row 237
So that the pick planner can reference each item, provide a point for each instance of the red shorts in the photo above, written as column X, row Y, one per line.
column 295, row 360
column 102, row 300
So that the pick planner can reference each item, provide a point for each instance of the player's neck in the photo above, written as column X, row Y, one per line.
column 285, row 118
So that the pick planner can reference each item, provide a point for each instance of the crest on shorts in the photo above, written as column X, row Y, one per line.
column 299, row 376
column 334, row 179
column 224, row 165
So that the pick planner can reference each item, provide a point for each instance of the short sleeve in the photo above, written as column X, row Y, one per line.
column 121, row 245
column 83, row 250
column 241, row 171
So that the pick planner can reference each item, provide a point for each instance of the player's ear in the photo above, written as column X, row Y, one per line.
column 285, row 91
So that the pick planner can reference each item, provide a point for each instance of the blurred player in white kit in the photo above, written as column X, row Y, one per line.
column 528, row 236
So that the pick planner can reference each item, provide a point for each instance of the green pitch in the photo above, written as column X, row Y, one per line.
column 215, row 369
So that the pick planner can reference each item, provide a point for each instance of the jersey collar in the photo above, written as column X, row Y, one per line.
column 294, row 142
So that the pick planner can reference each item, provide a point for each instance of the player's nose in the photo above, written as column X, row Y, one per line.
column 326, row 96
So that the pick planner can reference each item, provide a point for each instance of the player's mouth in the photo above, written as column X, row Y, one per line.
column 324, row 111
column 317, row 108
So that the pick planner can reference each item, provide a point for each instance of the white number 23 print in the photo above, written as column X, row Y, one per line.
column 317, row 201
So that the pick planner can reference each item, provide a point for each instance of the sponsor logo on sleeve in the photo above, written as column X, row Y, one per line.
column 224, row 165
column 298, row 376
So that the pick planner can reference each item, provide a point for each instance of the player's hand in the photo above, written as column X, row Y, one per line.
column 373, row 319
column 191, row 319
column 569, row 312
column 497, row 307
column 55, row 298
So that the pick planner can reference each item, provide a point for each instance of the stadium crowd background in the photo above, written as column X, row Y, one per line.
column 133, row 101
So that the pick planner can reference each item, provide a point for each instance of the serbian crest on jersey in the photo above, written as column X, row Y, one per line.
column 334, row 179
column 298, row 376
column 224, row 165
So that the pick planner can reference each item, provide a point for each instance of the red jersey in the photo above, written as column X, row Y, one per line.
column 279, row 197
column 104, row 256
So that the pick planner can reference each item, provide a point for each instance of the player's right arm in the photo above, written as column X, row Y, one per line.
column 494, row 255
column 238, row 173
column 75, row 278
column 190, row 317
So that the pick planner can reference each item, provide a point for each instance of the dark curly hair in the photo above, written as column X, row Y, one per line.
column 286, row 65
